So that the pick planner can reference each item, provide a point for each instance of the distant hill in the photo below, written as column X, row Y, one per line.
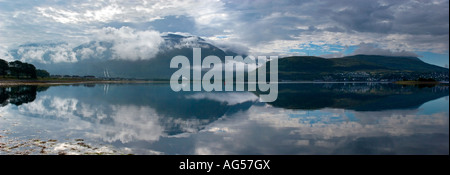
column 99, row 58
column 102, row 65
column 351, row 67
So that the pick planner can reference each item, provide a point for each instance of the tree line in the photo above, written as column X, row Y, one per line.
column 20, row 69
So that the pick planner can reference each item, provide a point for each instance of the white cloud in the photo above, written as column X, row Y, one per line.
column 260, row 27
column 63, row 54
column 380, row 44
column 5, row 55
column 73, row 12
column 83, row 12
column 103, row 14
column 231, row 98
column 130, row 44
column 326, row 131
column 47, row 53
column 132, row 123
column 371, row 49
column 126, row 123
column 226, row 43
column 189, row 42
column 62, row 16
column 93, row 50
column 62, row 108
column 31, row 54
column 332, row 123
column 85, row 53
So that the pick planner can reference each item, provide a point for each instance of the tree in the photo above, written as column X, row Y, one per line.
column 18, row 69
column 15, row 67
column 4, row 67
column 42, row 73
column 29, row 70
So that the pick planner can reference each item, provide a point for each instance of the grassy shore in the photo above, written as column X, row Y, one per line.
column 62, row 81
column 417, row 82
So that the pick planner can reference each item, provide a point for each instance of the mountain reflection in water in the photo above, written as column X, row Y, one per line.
column 307, row 118
column 355, row 96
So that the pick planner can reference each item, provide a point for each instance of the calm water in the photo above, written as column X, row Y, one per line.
column 152, row 119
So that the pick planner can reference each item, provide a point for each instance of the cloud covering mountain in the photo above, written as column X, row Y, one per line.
column 122, row 52
column 327, row 27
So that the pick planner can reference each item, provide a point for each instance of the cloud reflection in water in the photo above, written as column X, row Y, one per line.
column 158, row 120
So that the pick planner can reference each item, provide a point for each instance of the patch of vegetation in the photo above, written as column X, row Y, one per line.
column 20, row 70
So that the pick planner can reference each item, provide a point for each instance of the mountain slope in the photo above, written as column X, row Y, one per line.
column 395, row 63
column 103, row 63
column 358, row 66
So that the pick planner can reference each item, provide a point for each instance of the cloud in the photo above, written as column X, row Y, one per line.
column 86, row 53
column 129, row 44
column 5, row 55
column 132, row 123
column 333, row 55
column 259, row 27
column 188, row 42
column 46, row 53
column 226, row 45
column 268, row 27
column 231, row 98
column 108, row 122
column 128, row 122
column 75, row 12
column 57, row 107
column 328, row 131
column 371, row 49
column 371, row 16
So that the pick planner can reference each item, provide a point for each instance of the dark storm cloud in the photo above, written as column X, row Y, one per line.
column 263, row 21
column 426, row 18
column 364, row 16
column 403, row 17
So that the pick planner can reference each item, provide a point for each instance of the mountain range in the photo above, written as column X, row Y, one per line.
column 102, row 61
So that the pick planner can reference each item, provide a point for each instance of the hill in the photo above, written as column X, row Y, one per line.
column 158, row 67
column 358, row 67
column 101, row 59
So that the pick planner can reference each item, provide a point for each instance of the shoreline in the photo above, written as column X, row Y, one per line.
column 419, row 82
column 18, row 82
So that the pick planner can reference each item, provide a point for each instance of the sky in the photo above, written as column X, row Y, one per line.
column 327, row 28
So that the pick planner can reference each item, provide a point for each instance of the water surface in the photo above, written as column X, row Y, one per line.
column 307, row 118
